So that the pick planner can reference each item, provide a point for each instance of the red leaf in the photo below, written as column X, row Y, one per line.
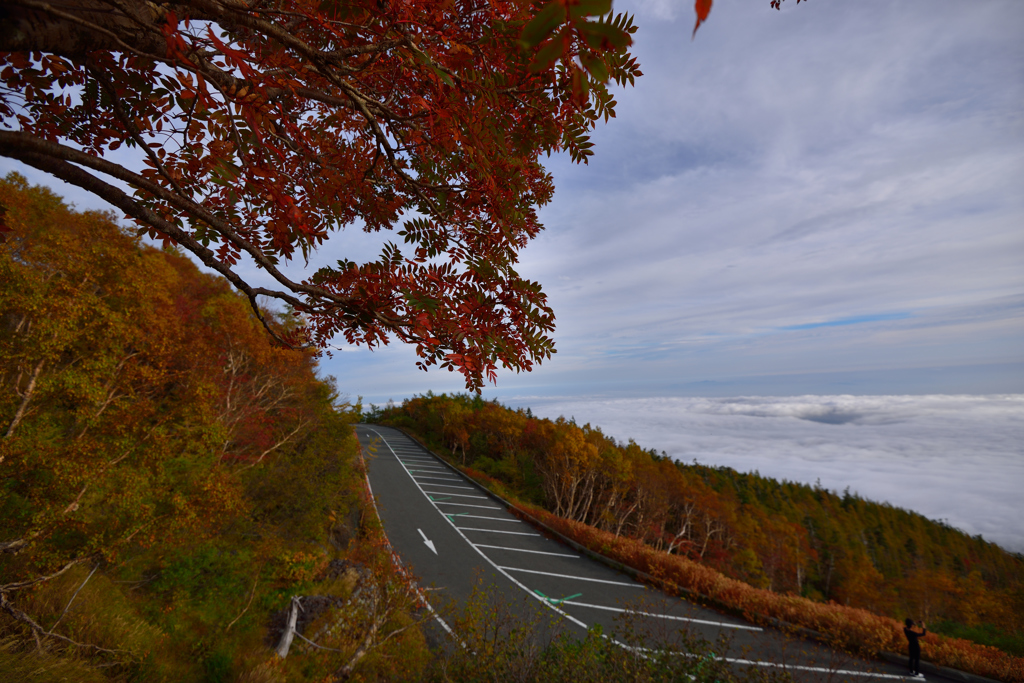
column 702, row 8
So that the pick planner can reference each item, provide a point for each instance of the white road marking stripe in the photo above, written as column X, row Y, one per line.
column 457, row 495
column 450, row 486
column 523, row 550
column 496, row 519
column 663, row 616
column 823, row 670
column 438, row 478
column 497, row 531
column 505, row 570
column 575, row 578
column 464, row 505
column 402, row 569
column 797, row 667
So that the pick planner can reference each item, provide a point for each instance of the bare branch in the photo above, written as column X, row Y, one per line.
column 21, row 585
column 7, row 606
column 68, row 606
column 12, row 546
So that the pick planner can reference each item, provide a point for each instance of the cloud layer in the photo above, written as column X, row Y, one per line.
column 955, row 458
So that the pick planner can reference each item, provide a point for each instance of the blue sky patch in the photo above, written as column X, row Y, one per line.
column 855, row 320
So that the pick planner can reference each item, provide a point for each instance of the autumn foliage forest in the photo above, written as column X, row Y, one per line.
column 169, row 478
column 785, row 537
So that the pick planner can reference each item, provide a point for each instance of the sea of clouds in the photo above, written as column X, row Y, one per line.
column 953, row 458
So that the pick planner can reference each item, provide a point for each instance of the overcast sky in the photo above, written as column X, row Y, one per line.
column 827, row 199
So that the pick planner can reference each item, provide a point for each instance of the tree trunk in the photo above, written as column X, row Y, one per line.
column 289, row 630
column 26, row 397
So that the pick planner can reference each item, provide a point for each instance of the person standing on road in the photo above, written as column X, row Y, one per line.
column 914, row 646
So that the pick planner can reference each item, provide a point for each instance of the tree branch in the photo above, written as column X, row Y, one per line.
column 76, row 176
column 68, row 606
column 26, row 397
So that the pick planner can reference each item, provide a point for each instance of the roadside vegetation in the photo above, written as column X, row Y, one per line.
column 169, row 479
column 840, row 565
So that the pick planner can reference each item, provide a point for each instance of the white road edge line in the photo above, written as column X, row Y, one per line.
column 824, row 670
column 504, row 571
column 404, row 571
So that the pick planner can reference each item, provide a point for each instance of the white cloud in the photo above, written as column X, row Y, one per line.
column 957, row 458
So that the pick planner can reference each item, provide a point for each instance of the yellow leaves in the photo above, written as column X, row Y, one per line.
column 300, row 565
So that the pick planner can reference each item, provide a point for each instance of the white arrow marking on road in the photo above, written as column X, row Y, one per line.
column 430, row 544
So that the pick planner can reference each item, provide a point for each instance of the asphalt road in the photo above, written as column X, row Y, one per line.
column 456, row 539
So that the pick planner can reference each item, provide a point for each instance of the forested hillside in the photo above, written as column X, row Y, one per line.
column 168, row 477
column 784, row 537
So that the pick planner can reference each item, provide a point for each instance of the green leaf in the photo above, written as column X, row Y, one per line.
column 601, row 36
column 424, row 58
column 547, row 55
column 443, row 76
column 596, row 67
column 591, row 8
column 547, row 20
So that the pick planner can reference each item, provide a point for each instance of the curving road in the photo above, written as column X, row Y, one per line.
column 455, row 538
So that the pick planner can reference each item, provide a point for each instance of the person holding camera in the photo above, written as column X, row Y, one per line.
column 913, row 638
